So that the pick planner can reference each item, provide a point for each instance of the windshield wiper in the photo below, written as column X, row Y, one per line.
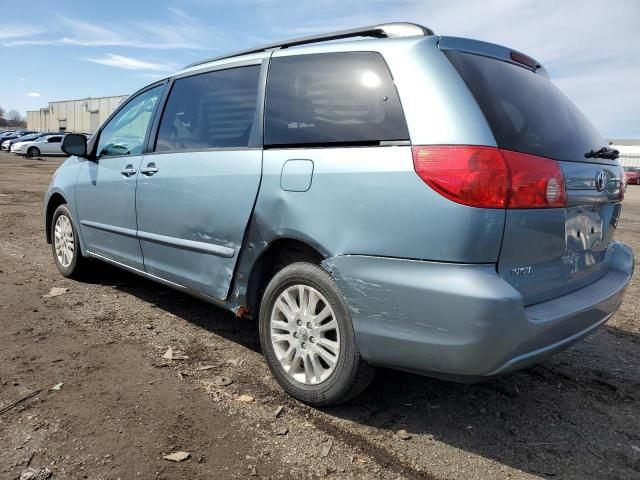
column 603, row 152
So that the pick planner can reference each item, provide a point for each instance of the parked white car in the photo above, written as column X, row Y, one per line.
column 47, row 145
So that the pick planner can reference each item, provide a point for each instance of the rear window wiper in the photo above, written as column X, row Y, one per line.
column 603, row 152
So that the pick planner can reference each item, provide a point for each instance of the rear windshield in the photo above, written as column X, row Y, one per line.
column 525, row 111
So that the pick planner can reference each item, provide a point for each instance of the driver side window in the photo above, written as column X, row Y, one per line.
column 124, row 134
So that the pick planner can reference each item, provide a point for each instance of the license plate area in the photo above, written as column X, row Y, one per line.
column 589, row 230
column 584, row 228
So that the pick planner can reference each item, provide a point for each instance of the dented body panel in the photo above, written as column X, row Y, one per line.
column 190, row 231
column 335, row 219
column 463, row 321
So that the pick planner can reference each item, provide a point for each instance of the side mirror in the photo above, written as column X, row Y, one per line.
column 75, row 144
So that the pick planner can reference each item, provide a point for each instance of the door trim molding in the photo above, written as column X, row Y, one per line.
column 202, row 247
column 127, row 232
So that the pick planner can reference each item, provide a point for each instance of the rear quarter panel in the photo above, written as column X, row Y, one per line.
column 369, row 200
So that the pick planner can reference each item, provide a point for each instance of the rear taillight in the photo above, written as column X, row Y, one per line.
column 475, row 176
column 536, row 182
column 488, row 177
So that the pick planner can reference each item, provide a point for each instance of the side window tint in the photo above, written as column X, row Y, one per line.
column 210, row 110
column 124, row 134
column 332, row 98
column 55, row 140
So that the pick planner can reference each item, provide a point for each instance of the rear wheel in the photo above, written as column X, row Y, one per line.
column 65, row 245
column 307, row 337
column 33, row 152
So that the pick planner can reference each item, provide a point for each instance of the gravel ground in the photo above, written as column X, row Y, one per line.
column 122, row 406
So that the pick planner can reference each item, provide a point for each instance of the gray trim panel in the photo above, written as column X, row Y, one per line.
column 217, row 250
column 127, row 232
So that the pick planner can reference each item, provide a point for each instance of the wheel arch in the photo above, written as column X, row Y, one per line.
column 54, row 202
column 32, row 148
column 279, row 253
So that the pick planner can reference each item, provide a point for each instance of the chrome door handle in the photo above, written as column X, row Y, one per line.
column 149, row 170
column 128, row 171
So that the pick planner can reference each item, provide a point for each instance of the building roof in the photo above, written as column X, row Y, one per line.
column 78, row 100
column 628, row 142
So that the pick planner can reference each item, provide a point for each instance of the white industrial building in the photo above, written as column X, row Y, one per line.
column 82, row 116
column 629, row 152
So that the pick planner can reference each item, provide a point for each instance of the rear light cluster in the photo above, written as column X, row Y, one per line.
column 488, row 177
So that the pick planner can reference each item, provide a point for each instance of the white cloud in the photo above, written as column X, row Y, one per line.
column 33, row 94
column 129, row 63
column 18, row 31
column 178, row 30
column 89, row 34
column 26, row 43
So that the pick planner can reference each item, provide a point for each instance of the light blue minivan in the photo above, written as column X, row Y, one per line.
column 381, row 196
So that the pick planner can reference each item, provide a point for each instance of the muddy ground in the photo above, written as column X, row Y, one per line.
column 122, row 406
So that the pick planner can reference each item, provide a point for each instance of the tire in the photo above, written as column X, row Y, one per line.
column 71, row 265
column 33, row 152
column 306, row 340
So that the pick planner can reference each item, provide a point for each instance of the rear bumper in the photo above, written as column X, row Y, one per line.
column 463, row 321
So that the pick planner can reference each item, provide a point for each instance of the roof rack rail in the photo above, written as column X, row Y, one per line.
column 386, row 30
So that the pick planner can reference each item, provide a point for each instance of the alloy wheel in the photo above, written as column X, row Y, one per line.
column 63, row 241
column 305, row 334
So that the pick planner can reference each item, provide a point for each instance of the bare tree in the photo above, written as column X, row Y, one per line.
column 11, row 119
column 14, row 116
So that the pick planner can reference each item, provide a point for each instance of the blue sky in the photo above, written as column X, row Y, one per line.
column 73, row 49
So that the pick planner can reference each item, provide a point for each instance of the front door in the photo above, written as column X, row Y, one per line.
column 51, row 145
column 106, row 186
column 196, row 190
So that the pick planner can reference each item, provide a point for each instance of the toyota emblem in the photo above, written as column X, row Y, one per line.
column 601, row 181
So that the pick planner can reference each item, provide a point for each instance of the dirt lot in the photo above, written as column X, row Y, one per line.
column 122, row 406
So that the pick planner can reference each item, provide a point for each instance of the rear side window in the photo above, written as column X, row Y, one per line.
column 332, row 98
column 525, row 111
column 210, row 110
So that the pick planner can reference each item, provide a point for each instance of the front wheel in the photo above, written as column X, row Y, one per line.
column 307, row 337
column 33, row 152
column 65, row 244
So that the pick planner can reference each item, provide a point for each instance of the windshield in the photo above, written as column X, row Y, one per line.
column 26, row 138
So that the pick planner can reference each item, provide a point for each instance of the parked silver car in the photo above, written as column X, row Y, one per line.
column 421, row 202
column 42, row 145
